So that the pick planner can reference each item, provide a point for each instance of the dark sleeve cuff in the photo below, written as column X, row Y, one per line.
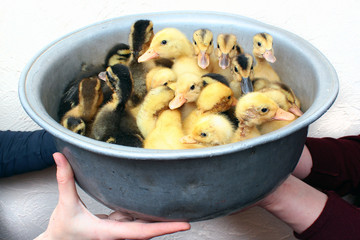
column 22, row 152
column 338, row 220
column 336, row 164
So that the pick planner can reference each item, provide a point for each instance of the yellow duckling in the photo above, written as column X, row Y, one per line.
column 161, row 126
column 242, row 70
column 159, row 76
column 264, row 53
column 254, row 109
column 203, row 44
column 156, row 101
column 285, row 102
column 216, row 97
column 227, row 49
column 210, row 130
column 172, row 44
column 113, row 122
column 187, row 89
column 79, row 118
column 168, row 132
column 280, row 90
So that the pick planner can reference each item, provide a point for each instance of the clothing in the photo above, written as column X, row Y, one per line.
column 336, row 167
column 22, row 152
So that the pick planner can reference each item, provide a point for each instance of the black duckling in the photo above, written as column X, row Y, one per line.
column 90, row 96
column 140, row 37
column 114, row 123
column 118, row 54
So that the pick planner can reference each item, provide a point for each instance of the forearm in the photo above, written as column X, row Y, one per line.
column 25, row 151
column 295, row 203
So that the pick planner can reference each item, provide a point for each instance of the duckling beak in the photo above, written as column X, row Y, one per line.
column 283, row 115
column 102, row 76
column 269, row 56
column 246, row 85
column 203, row 60
column 224, row 61
column 296, row 110
column 234, row 102
column 178, row 101
column 187, row 140
column 149, row 54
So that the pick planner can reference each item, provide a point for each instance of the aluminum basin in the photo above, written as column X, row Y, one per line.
column 190, row 185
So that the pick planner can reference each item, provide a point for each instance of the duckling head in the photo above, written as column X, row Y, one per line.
column 210, row 130
column 119, row 80
column 263, row 47
column 187, row 89
column 227, row 48
column 203, row 46
column 215, row 97
column 256, row 108
column 75, row 124
column 118, row 54
column 241, row 69
column 168, row 43
column 140, row 37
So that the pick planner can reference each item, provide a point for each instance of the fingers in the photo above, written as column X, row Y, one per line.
column 138, row 230
column 65, row 179
column 120, row 217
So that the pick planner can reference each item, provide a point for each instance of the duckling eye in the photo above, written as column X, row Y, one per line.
column 233, row 47
column 165, row 84
column 163, row 42
column 203, row 134
column 210, row 42
column 195, row 42
column 264, row 110
column 218, row 46
column 229, row 97
column 192, row 87
column 259, row 44
column 236, row 69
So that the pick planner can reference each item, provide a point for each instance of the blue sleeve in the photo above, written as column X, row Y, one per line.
column 22, row 152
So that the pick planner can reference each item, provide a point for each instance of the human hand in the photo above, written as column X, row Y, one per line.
column 72, row 220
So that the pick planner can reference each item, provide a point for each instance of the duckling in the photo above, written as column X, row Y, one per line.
column 75, row 124
column 156, row 101
column 204, row 49
column 241, row 69
column 254, row 109
column 187, row 89
column 285, row 102
column 279, row 91
column 160, row 76
column 140, row 37
column 70, row 98
column 172, row 44
column 90, row 97
column 264, row 53
column 210, row 130
column 227, row 49
column 113, row 122
column 118, row 54
column 216, row 97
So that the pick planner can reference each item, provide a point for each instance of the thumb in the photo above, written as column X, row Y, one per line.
column 65, row 179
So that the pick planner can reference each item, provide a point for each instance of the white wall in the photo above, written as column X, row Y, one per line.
column 27, row 26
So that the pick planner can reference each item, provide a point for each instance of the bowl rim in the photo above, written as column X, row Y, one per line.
column 112, row 150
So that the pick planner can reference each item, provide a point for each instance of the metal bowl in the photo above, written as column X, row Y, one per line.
column 187, row 185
